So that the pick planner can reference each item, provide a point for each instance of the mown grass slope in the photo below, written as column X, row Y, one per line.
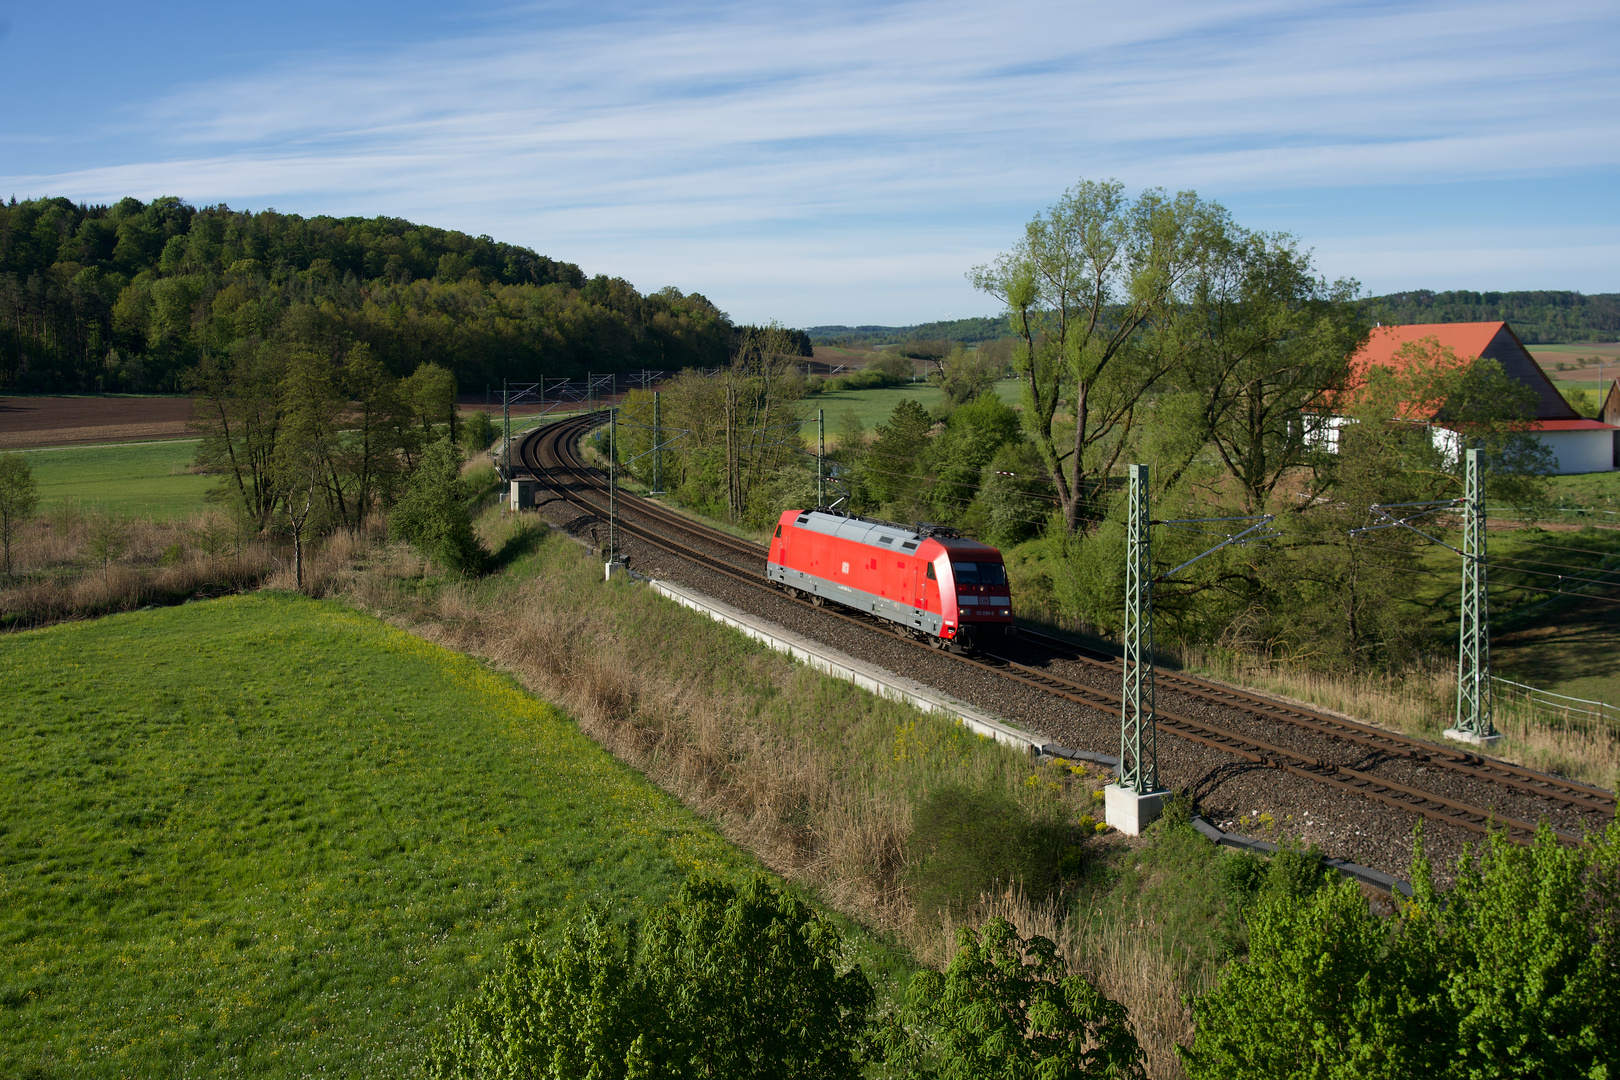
column 273, row 836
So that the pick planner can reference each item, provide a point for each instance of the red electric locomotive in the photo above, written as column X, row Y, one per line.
column 932, row 583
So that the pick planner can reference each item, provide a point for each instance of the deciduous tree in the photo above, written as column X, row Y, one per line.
column 1509, row 973
column 433, row 515
column 1090, row 277
column 19, row 498
column 1263, row 346
column 1007, row 1008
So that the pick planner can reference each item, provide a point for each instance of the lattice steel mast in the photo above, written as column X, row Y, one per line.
column 1138, row 737
column 1474, row 633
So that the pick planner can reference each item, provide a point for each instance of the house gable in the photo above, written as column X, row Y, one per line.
column 1506, row 349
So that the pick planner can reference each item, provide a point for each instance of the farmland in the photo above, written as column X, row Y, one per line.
column 872, row 407
column 143, row 479
column 66, row 421
column 212, row 860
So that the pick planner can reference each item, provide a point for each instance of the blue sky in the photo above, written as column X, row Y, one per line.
column 849, row 163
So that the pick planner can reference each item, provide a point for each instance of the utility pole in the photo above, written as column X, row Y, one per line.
column 821, row 455
column 1474, row 634
column 613, row 487
column 506, row 432
column 658, row 450
column 1136, row 798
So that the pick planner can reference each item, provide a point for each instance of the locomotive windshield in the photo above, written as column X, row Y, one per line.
column 980, row 573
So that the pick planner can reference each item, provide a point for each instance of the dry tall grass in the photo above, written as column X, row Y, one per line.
column 77, row 564
column 1422, row 703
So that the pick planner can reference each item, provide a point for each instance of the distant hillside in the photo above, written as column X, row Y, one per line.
column 964, row 330
column 1539, row 318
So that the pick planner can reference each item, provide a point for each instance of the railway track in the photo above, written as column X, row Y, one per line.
column 551, row 456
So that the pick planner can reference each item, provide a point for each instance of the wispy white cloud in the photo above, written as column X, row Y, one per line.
column 920, row 130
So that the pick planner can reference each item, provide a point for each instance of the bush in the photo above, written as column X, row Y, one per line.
column 892, row 367
column 477, row 432
column 1007, row 1007
column 433, row 516
column 724, row 982
column 1511, row 973
column 965, row 840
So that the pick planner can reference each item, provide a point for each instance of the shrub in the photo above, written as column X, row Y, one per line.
column 1007, row 1007
column 723, row 982
column 433, row 515
column 1510, row 973
column 965, row 840
column 477, row 432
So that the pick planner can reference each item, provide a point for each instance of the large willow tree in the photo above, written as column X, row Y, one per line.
column 1086, row 289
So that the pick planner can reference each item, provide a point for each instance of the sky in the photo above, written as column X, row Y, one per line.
column 849, row 163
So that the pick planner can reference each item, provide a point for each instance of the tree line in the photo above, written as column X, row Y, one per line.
column 132, row 297
column 1542, row 316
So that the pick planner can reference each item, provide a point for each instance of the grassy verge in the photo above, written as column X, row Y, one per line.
column 147, row 480
column 286, row 838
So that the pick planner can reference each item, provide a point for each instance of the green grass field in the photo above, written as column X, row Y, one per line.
column 271, row 836
column 145, row 480
column 873, row 407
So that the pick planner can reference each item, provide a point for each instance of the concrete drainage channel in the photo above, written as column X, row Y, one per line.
column 897, row 687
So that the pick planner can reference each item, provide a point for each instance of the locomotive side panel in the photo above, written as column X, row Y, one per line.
column 946, row 587
column 871, row 577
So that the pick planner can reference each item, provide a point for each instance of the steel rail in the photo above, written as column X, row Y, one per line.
column 582, row 472
column 1571, row 793
column 1256, row 751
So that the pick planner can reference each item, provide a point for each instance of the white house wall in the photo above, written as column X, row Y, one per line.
column 1576, row 451
column 1580, row 451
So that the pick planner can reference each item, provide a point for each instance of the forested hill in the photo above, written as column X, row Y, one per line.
column 128, row 297
column 963, row 330
column 1537, row 317
column 1545, row 317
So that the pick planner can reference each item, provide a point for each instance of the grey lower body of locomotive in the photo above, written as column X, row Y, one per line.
column 921, row 622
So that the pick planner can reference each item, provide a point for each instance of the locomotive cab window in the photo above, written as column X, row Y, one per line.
column 779, row 530
column 984, row 573
column 931, row 575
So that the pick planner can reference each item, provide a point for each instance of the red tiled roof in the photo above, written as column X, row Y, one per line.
column 1467, row 340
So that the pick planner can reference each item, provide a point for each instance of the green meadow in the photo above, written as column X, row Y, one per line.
column 271, row 836
column 872, row 407
column 147, row 480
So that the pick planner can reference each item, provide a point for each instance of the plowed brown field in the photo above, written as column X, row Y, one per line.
column 69, row 421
